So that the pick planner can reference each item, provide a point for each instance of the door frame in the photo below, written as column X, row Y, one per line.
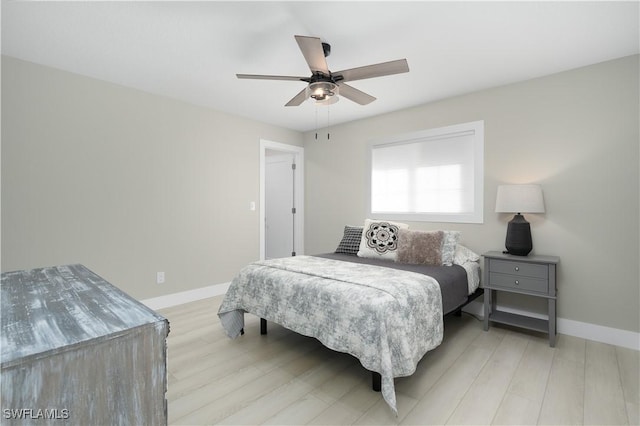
column 298, row 153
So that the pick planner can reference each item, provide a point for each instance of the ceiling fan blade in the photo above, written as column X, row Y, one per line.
column 298, row 99
column 272, row 77
column 313, row 52
column 354, row 94
column 376, row 70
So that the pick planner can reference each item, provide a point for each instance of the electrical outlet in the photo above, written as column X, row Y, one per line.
column 160, row 277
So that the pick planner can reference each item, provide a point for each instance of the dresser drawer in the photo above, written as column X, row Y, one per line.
column 522, row 269
column 516, row 282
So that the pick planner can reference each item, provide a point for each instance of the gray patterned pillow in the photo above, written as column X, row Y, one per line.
column 449, row 244
column 350, row 242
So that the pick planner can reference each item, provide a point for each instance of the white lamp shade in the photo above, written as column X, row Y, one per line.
column 519, row 199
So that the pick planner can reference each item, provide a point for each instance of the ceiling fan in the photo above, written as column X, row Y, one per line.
column 324, row 85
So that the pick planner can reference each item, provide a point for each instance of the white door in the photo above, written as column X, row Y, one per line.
column 279, row 205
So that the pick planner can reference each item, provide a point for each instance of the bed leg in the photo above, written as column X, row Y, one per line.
column 242, row 331
column 376, row 381
column 458, row 313
column 263, row 326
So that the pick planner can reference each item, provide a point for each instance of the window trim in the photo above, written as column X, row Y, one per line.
column 474, row 128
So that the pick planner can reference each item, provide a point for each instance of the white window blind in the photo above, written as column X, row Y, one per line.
column 433, row 175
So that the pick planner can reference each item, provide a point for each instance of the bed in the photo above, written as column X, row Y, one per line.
column 387, row 314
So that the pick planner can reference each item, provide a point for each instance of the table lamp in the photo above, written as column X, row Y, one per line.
column 519, row 199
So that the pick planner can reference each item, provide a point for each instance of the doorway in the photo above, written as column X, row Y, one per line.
column 281, row 200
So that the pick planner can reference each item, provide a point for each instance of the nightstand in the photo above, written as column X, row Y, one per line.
column 530, row 275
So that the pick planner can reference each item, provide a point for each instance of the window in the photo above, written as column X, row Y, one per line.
column 434, row 175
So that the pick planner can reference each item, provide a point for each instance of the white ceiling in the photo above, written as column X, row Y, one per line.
column 192, row 50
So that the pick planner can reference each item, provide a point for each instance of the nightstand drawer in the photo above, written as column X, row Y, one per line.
column 520, row 268
column 515, row 282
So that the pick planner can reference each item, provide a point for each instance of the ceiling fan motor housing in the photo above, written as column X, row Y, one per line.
column 326, row 48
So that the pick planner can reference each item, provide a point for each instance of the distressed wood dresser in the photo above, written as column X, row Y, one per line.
column 77, row 350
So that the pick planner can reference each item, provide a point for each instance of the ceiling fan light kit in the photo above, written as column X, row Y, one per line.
column 324, row 86
column 323, row 92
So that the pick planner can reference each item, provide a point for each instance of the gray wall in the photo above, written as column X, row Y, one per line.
column 125, row 182
column 575, row 133
column 130, row 183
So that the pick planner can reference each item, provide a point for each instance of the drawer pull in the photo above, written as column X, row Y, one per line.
column 517, row 282
column 517, row 268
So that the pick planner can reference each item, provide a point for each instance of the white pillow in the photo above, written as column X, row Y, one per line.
column 449, row 244
column 464, row 255
column 380, row 239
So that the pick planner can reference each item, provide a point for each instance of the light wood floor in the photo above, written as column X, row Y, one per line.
column 503, row 376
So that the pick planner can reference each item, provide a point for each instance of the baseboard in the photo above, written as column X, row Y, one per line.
column 188, row 296
column 600, row 333
column 584, row 330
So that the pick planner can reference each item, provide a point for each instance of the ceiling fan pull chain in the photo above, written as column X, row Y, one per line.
column 316, row 122
column 328, row 123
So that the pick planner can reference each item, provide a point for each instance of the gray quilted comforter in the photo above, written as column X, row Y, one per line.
column 386, row 318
